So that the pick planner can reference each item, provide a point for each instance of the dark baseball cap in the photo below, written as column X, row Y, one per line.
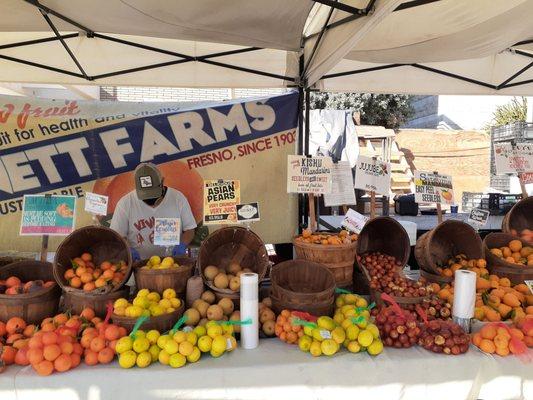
column 148, row 181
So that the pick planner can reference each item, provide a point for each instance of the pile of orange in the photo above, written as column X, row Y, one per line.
column 343, row 237
column 515, row 253
column 460, row 261
column 285, row 330
column 14, row 337
column 502, row 341
column 85, row 275
column 99, row 343
column 14, row 286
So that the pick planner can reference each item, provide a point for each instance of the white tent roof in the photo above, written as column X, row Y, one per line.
column 409, row 46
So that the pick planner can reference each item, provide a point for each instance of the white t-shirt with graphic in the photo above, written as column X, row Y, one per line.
column 134, row 219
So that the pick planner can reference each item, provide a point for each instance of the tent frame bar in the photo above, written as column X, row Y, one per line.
column 37, row 41
column 342, row 7
column 48, row 10
column 42, row 66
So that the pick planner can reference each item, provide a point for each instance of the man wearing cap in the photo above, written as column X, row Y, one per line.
column 135, row 213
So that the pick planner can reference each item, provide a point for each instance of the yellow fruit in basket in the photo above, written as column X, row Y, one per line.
column 154, row 351
column 192, row 338
column 169, row 294
column 152, row 336
column 338, row 335
column 185, row 348
column 167, row 262
column 315, row 349
column 354, row 347
column 127, row 359
column 177, row 360
column 144, row 359
column 304, row 343
column 120, row 303
column 375, row 348
column 214, row 330
column 352, row 332
column 373, row 329
column 180, row 337
column 204, row 344
column 210, row 272
column 156, row 310
column 170, row 310
column 162, row 340
column 164, row 357
column 124, row 344
column 154, row 260
column 141, row 344
column 176, row 303
column 219, row 344
column 351, row 298
column 200, row 331
column 195, row 355
column 361, row 302
column 329, row 347
column 153, row 296
column 141, row 302
column 221, row 281
column 134, row 311
column 171, row 347
column 165, row 303
column 120, row 311
column 365, row 338
column 143, row 293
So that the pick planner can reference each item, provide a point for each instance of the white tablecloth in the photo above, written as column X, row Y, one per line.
column 279, row 371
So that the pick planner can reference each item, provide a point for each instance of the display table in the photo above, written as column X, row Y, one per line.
column 279, row 371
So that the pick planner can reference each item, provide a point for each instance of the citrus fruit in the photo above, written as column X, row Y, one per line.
column 315, row 349
column 180, row 337
column 375, row 348
column 154, row 351
column 124, row 344
column 200, row 331
column 185, row 348
column 177, row 360
column 141, row 344
column 163, row 357
column 365, row 338
column 354, row 347
column 373, row 329
column 214, row 331
column 144, row 359
column 304, row 343
column 329, row 347
column 204, row 344
column 352, row 332
column 171, row 347
column 127, row 359
column 194, row 356
column 169, row 294
column 152, row 336
column 154, row 260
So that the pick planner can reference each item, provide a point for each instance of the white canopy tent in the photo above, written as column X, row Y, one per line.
column 388, row 46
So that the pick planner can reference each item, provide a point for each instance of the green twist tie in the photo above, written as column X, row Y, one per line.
column 303, row 322
column 137, row 325
column 243, row 322
column 178, row 325
column 358, row 319
column 368, row 308
column 342, row 291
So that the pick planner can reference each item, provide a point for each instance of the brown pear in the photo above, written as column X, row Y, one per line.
column 215, row 312
column 227, row 305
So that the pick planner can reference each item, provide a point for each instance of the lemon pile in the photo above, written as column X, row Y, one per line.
column 349, row 327
column 155, row 262
column 140, row 350
column 147, row 303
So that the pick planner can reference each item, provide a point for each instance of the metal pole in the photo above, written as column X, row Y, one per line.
column 307, row 113
column 301, row 197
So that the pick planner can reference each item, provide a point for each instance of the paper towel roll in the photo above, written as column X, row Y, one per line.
column 464, row 295
column 249, row 309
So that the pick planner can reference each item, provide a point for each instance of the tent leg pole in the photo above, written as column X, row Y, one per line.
column 307, row 112
column 301, row 197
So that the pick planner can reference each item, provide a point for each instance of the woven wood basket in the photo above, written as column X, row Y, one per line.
column 32, row 307
column 76, row 301
column 446, row 240
column 441, row 280
column 519, row 217
column 302, row 285
column 339, row 258
column 161, row 323
column 157, row 280
column 103, row 243
column 232, row 245
column 499, row 266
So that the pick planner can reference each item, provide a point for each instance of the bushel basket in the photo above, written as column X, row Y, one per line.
column 76, row 301
column 520, row 217
column 157, row 280
column 161, row 323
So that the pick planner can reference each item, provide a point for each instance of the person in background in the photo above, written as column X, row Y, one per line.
column 135, row 213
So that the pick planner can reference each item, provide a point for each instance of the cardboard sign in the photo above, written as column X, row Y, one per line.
column 526, row 177
column 353, row 221
column 511, row 159
column 47, row 215
column 248, row 212
column 433, row 188
column 96, row 203
column 342, row 192
column 220, row 200
column 372, row 175
column 167, row 231
column 478, row 216
column 309, row 174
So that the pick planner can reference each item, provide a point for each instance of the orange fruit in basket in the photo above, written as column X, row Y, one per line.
column 89, row 287
column 487, row 346
column 515, row 245
column 75, row 282
column 497, row 252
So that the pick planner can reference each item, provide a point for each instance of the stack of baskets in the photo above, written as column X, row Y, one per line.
column 450, row 238
column 303, row 286
column 104, row 244
column 232, row 245
column 387, row 236
column 32, row 307
column 339, row 258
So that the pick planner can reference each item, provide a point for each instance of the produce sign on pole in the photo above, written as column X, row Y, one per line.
column 167, row 231
column 309, row 174
column 95, row 203
column 526, row 178
column 478, row 217
column 248, row 212
column 353, row 221
column 342, row 192
column 431, row 187
column 513, row 158
column 372, row 175
column 220, row 200
column 47, row 215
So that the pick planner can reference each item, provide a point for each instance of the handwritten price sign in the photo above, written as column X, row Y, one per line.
column 309, row 174
column 513, row 159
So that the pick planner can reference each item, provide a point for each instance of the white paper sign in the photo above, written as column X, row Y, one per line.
column 248, row 212
column 511, row 159
column 433, row 188
column 353, row 221
column 529, row 285
column 342, row 192
column 167, row 231
column 309, row 174
column 372, row 175
column 478, row 216
column 96, row 203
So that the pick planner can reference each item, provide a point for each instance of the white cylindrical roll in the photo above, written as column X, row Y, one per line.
column 464, row 295
column 249, row 310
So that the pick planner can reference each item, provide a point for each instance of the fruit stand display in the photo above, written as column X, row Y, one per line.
column 509, row 257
